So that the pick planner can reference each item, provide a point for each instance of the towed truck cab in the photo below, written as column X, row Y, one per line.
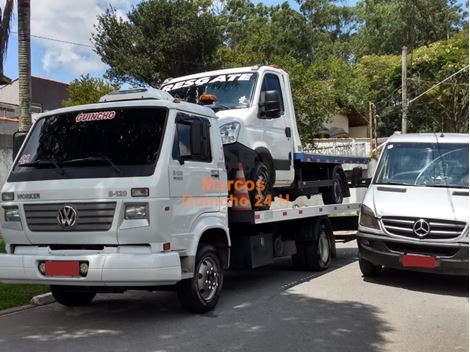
column 119, row 190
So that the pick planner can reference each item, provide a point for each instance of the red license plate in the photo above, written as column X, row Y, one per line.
column 62, row 268
column 418, row 261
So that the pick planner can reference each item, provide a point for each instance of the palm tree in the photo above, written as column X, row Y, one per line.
column 4, row 35
column 24, row 64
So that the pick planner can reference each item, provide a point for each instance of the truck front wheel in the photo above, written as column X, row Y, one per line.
column 72, row 297
column 201, row 293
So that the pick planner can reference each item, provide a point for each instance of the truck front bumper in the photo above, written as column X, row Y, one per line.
column 105, row 269
column 451, row 258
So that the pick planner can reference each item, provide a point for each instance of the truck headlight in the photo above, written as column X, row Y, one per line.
column 136, row 211
column 368, row 219
column 229, row 132
column 12, row 213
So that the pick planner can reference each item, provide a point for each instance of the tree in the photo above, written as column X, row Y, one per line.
column 385, row 26
column 160, row 39
column 87, row 90
column 24, row 64
column 4, row 36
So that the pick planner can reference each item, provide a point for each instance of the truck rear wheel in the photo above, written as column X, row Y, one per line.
column 318, row 252
column 71, row 296
column 201, row 293
column 334, row 193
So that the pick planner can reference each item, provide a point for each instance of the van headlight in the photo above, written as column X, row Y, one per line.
column 368, row 219
column 135, row 211
column 12, row 213
column 229, row 132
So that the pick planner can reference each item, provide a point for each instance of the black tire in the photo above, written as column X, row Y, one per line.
column 298, row 259
column 261, row 199
column 333, row 194
column 318, row 252
column 368, row 269
column 196, row 294
column 71, row 296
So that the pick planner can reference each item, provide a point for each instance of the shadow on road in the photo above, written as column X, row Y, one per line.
column 424, row 282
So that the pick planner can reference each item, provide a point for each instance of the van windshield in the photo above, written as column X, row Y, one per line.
column 230, row 91
column 424, row 164
column 113, row 142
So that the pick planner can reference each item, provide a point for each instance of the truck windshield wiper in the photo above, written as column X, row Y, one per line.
column 42, row 162
column 217, row 106
column 94, row 159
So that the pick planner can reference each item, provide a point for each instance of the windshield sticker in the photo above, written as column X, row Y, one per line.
column 390, row 146
column 207, row 80
column 24, row 159
column 95, row 116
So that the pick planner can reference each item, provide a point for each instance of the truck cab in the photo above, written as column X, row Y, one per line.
column 259, row 130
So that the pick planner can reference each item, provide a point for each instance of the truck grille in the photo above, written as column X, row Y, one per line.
column 90, row 216
column 439, row 229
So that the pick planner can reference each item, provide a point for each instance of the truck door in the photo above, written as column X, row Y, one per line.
column 277, row 133
column 194, row 172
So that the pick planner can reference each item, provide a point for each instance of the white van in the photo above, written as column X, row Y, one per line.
column 415, row 213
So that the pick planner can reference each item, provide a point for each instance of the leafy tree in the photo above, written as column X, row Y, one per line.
column 161, row 39
column 385, row 26
column 87, row 90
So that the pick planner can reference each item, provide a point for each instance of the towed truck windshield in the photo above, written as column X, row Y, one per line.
column 115, row 142
column 220, row 92
column 424, row 164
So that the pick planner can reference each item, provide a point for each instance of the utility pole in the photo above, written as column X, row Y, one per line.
column 374, row 114
column 24, row 65
column 404, row 100
column 369, row 132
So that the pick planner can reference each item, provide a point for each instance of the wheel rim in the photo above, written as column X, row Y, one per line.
column 338, row 193
column 324, row 248
column 208, row 278
column 263, row 175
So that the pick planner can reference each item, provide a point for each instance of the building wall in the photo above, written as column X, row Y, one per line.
column 358, row 132
column 340, row 121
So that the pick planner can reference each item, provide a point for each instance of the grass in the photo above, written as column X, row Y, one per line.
column 13, row 295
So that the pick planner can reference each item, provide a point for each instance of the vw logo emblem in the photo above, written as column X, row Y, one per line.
column 421, row 228
column 67, row 217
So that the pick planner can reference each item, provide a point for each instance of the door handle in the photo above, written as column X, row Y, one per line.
column 215, row 173
column 288, row 132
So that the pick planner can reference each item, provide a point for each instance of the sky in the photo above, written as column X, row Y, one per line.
column 70, row 21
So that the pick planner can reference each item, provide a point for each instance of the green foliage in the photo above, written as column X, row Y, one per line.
column 161, row 39
column 87, row 90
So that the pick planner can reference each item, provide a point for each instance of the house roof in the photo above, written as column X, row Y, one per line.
column 356, row 118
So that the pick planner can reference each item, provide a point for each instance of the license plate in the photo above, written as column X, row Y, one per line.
column 62, row 268
column 418, row 261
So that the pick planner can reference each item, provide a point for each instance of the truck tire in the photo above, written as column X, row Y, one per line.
column 261, row 199
column 67, row 296
column 318, row 252
column 201, row 293
column 298, row 259
column 368, row 269
column 334, row 193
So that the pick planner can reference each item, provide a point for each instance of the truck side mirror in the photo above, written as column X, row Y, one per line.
column 18, row 139
column 270, row 105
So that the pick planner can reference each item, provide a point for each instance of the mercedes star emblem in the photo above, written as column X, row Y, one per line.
column 421, row 228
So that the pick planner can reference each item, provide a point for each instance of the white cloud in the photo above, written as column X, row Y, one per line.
column 71, row 21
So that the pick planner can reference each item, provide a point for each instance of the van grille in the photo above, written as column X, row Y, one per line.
column 90, row 216
column 439, row 229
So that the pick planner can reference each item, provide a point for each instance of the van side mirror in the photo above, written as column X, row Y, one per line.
column 270, row 105
column 18, row 139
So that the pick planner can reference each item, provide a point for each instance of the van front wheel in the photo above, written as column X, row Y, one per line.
column 201, row 293
column 72, row 297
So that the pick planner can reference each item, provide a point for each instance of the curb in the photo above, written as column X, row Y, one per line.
column 15, row 309
column 43, row 299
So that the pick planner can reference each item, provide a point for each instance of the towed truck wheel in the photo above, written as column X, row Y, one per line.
column 201, row 293
column 333, row 194
column 71, row 296
column 261, row 196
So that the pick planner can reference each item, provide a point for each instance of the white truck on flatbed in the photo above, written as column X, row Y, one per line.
column 132, row 193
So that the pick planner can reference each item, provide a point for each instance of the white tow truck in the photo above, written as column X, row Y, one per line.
column 131, row 193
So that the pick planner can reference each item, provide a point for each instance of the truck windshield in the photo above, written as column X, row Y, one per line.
column 115, row 142
column 230, row 91
column 424, row 164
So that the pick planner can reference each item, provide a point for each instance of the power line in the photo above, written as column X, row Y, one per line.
column 59, row 40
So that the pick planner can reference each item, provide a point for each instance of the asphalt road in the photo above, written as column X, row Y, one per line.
column 271, row 309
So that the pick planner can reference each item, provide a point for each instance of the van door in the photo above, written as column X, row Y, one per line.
column 277, row 133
